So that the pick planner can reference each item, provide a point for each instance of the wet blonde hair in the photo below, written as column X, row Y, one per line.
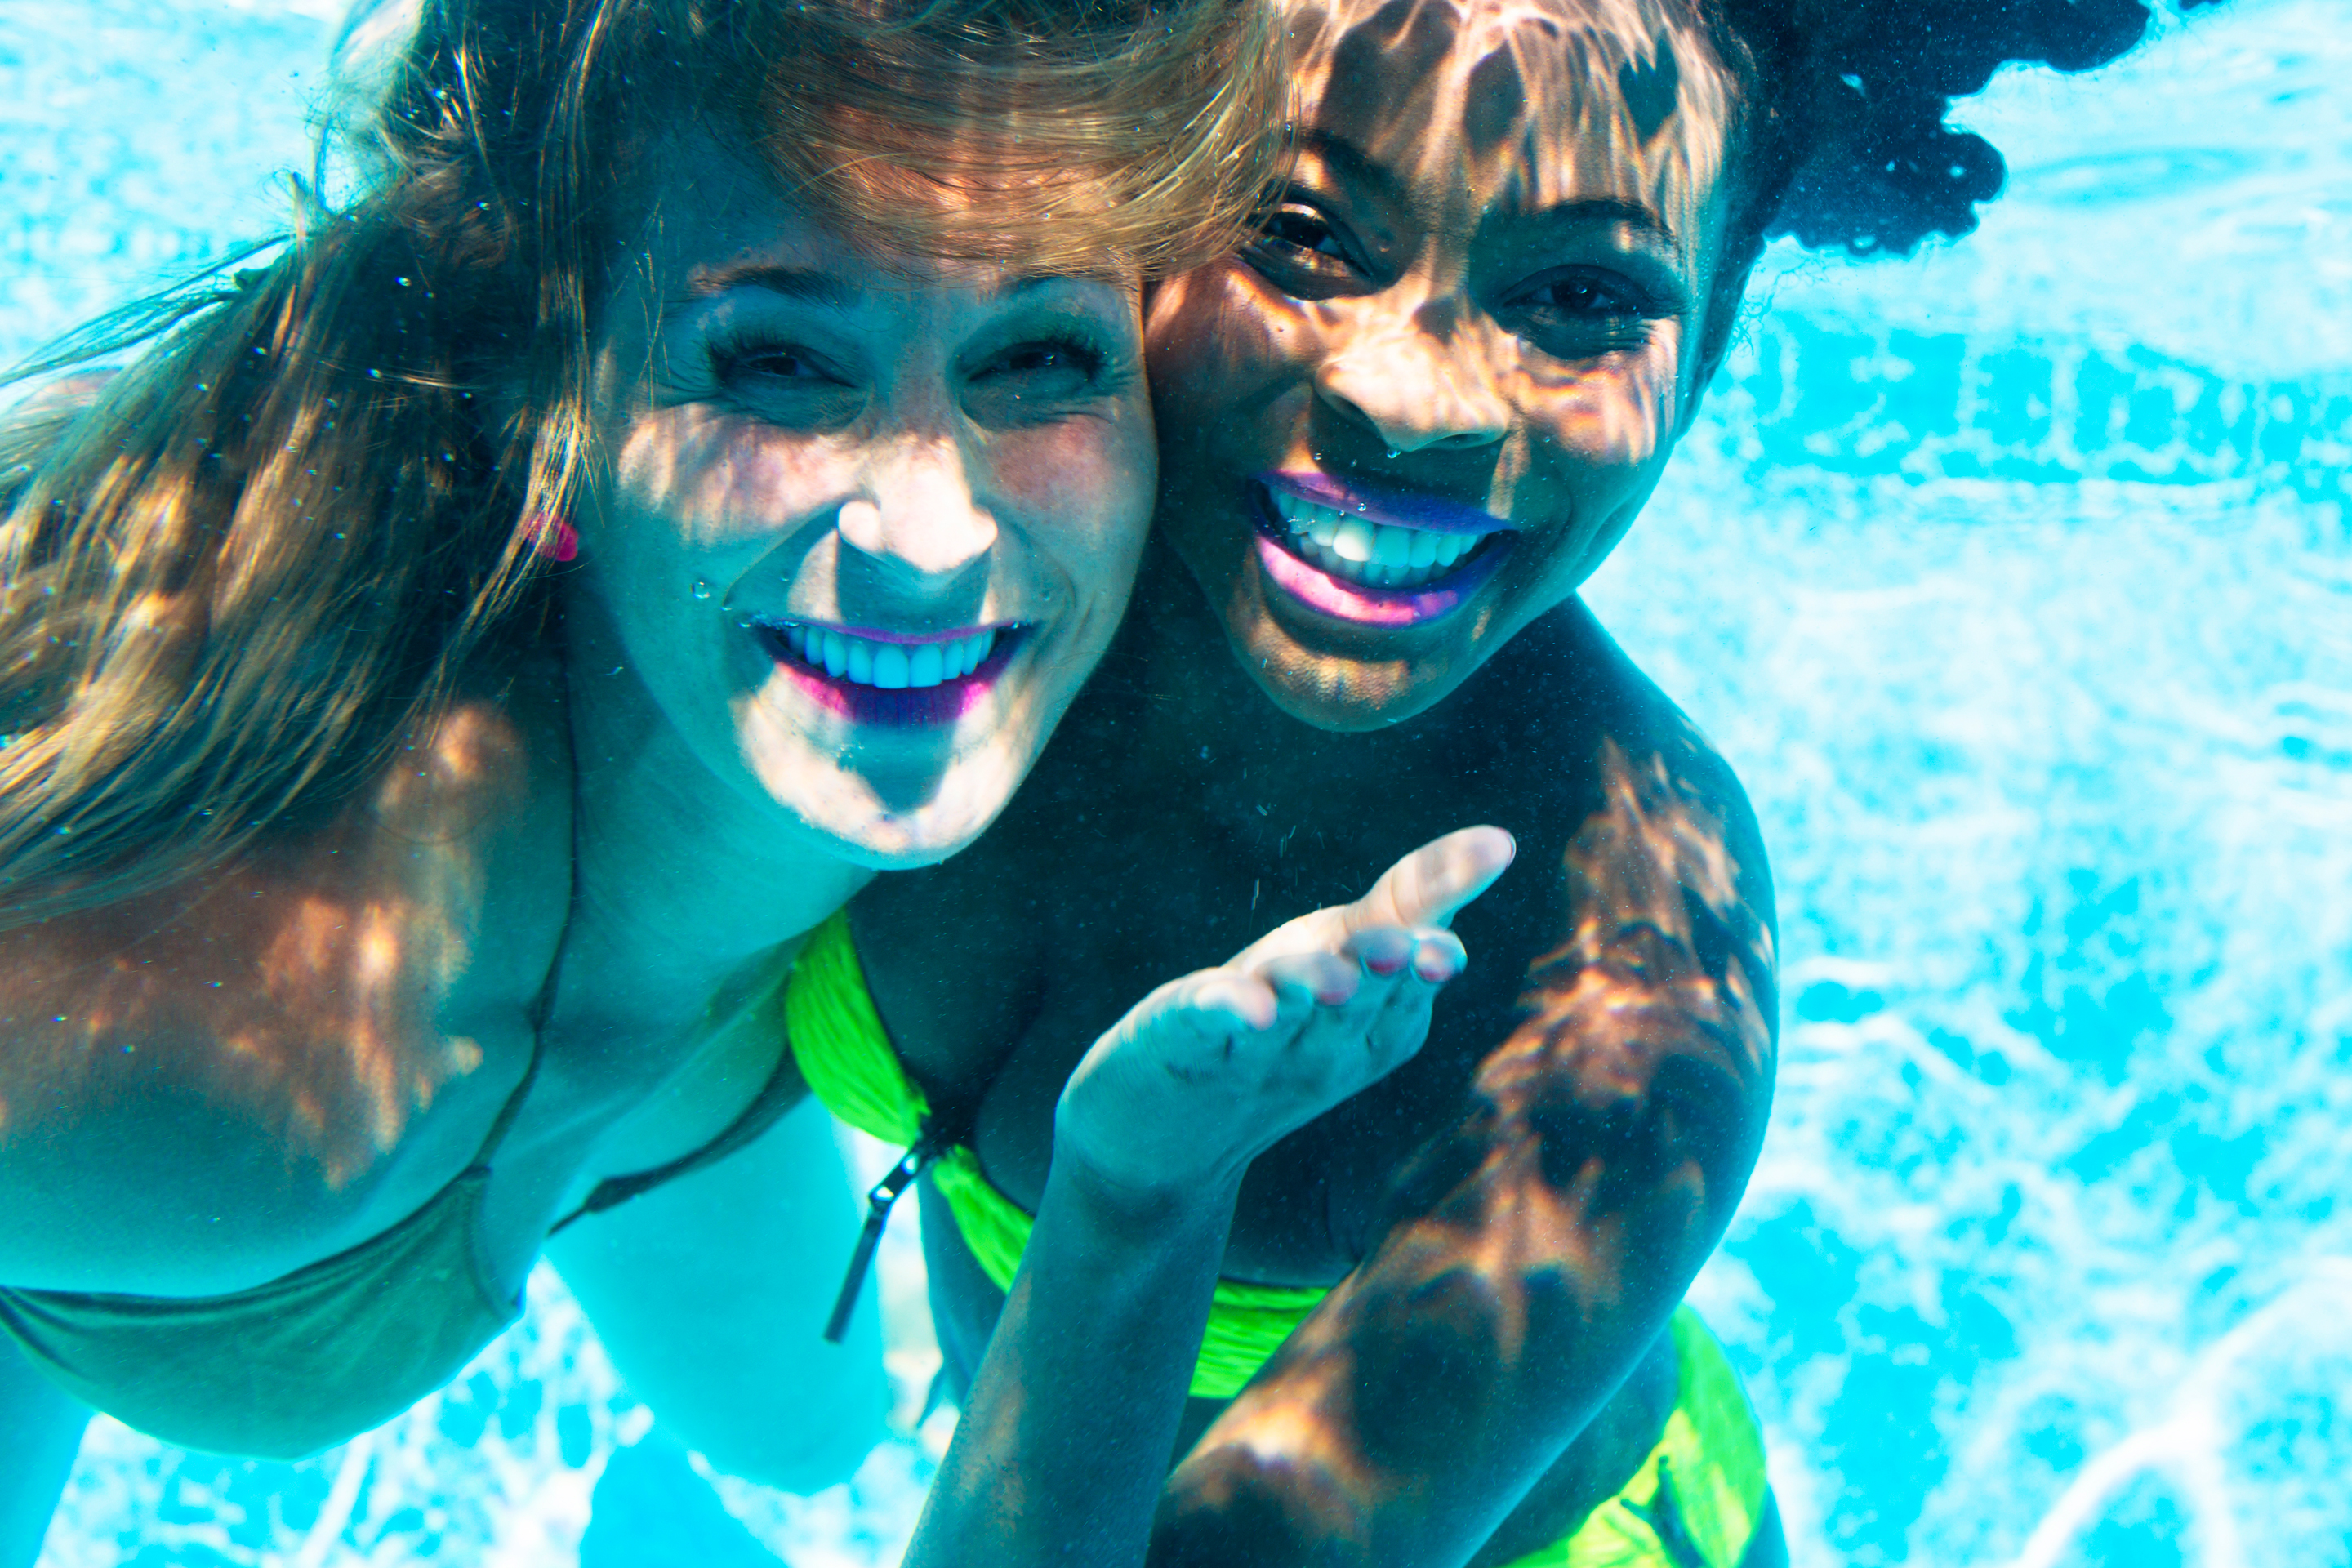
column 234, row 577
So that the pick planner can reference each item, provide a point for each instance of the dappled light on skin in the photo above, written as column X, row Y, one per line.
column 1622, row 110
column 1619, row 1118
column 813, row 439
column 1486, row 285
column 1658, row 946
column 298, row 988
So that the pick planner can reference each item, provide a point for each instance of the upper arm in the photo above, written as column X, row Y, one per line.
column 205, row 1087
column 1570, row 1178
column 174, row 1098
column 1645, row 1038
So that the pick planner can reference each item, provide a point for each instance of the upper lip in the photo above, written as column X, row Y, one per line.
column 882, row 634
column 1396, row 509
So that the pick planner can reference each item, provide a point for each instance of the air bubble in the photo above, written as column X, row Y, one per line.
column 701, row 588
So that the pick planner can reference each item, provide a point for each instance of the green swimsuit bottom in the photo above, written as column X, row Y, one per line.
column 1695, row 1501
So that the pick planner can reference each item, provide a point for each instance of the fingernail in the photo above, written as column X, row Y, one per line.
column 1383, row 967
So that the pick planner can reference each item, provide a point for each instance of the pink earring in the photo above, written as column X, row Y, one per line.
column 553, row 537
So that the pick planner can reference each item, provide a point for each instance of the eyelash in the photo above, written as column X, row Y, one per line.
column 1084, row 354
column 732, row 354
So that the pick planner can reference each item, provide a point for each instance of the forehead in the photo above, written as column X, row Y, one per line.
column 710, row 208
column 1560, row 95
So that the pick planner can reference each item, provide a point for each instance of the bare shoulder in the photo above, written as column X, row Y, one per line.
column 206, row 1085
column 1627, row 959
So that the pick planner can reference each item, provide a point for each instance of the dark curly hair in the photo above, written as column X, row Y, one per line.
column 1845, row 119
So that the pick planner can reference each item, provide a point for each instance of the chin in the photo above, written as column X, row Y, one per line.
column 1343, row 692
column 892, row 819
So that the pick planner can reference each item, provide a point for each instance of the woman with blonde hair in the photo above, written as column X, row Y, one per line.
column 450, row 670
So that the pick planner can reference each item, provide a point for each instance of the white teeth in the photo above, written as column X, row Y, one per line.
column 887, row 666
column 1356, row 550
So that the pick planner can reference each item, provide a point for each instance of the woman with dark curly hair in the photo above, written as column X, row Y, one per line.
column 1397, row 430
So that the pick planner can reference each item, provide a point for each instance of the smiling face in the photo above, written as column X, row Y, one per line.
column 865, row 530
column 1425, row 403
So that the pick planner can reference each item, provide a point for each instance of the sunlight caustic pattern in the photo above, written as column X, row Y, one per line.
column 2015, row 582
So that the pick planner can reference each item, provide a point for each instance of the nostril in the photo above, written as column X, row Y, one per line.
column 1469, row 438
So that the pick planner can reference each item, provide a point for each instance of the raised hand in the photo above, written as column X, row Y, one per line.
column 1210, row 1070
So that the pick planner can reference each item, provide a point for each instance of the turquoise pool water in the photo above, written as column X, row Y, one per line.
column 2016, row 580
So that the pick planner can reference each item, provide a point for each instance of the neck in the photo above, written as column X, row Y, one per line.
column 1195, row 697
column 685, row 887
column 1198, row 690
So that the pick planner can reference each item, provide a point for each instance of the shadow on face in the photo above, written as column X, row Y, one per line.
column 867, row 523
column 1426, row 401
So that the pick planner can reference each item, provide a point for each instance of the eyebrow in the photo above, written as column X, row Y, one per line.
column 1353, row 163
column 1608, row 209
column 806, row 284
column 812, row 285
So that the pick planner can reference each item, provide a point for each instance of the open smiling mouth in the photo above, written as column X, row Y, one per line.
column 1374, row 562
column 883, row 677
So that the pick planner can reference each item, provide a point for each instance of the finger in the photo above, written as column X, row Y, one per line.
column 1429, row 886
column 1323, row 979
column 1402, row 1027
column 1364, row 1039
column 1218, row 1001
column 1384, row 951
column 1438, row 955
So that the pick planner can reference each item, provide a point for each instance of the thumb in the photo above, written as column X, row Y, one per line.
column 1429, row 886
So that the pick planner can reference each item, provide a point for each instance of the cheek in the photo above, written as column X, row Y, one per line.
column 1617, row 417
column 705, row 481
column 1215, row 337
column 1084, row 488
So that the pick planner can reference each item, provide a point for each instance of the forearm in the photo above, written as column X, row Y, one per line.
column 1538, row 1249
column 1435, row 1393
column 1066, row 1434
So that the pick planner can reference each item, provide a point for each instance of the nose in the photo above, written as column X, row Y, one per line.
column 918, row 518
column 1417, row 390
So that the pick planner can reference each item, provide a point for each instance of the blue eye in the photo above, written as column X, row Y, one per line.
column 781, row 382
column 1063, row 356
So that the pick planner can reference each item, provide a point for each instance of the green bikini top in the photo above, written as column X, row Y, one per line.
column 846, row 1055
column 1701, row 1489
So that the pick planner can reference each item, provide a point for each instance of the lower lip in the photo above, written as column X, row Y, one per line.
column 910, row 708
column 1388, row 608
